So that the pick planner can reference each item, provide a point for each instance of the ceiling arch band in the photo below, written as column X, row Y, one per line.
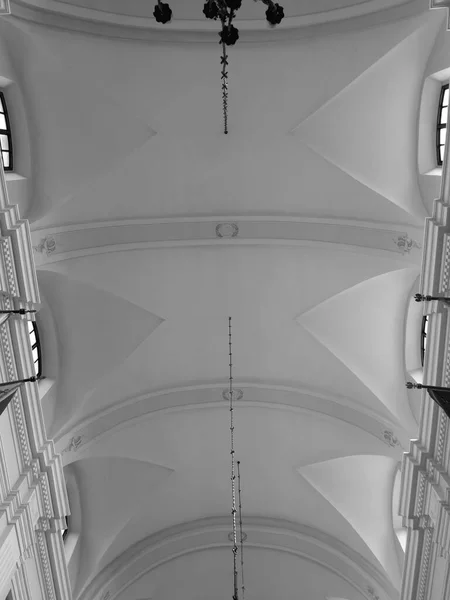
column 73, row 442
column 63, row 243
column 302, row 541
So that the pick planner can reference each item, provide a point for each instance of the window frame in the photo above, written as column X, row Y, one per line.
column 440, row 126
column 423, row 338
column 37, row 346
column 8, row 134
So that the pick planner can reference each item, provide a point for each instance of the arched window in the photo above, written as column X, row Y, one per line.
column 35, row 347
column 5, row 136
column 423, row 338
column 441, row 129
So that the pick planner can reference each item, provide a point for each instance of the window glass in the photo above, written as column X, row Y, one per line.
column 35, row 347
column 35, row 355
column 423, row 338
column 65, row 531
column 5, row 135
column 442, row 117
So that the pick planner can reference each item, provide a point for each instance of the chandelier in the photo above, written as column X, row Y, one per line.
column 231, row 395
column 225, row 10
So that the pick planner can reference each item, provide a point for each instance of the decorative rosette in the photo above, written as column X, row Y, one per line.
column 210, row 10
column 162, row 12
column 229, row 35
column 275, row 14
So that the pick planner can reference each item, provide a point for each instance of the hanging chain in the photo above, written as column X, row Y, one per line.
column 241, row 534
column 224, row 15
column 233, row 476
column 224, row 77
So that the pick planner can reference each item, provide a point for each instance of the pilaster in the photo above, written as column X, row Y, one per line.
column 33, row 497
column 425, row 490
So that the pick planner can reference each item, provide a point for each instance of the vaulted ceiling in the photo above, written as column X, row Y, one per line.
column 151, row 227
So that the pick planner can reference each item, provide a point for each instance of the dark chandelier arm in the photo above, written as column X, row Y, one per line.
column 421, row 298
column 31, row 379
column 19, row 311
column 419, row 386
column 10, row 394
column 268, row 3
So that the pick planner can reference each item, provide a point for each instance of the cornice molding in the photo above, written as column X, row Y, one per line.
column 300, row 540
column 77, row 439
column 98, row 23
column 56, row 244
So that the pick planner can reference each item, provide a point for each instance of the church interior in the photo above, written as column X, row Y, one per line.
column 158, row 182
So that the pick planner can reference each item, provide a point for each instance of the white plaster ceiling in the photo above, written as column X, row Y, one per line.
column 131, row 176
column 263, row 289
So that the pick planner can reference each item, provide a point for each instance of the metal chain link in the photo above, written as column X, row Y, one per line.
column 233, row 476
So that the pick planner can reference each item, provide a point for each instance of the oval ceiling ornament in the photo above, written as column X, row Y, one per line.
column 237, row 395
column 227, row 230
column 231, row 538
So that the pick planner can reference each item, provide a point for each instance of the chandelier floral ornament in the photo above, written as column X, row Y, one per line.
column 225, row 11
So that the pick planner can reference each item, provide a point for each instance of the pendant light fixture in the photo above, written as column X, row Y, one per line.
column 225, row 11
